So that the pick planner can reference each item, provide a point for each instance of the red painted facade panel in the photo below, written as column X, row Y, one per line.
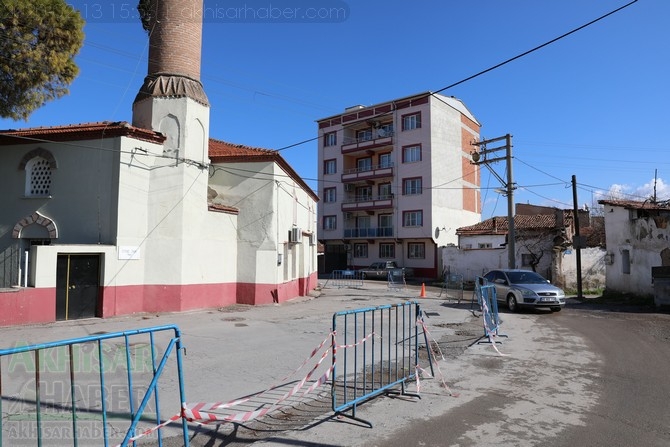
column 33, row 306
column 27, row 306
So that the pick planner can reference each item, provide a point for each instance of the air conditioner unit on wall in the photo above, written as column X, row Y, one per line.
column 295, row 235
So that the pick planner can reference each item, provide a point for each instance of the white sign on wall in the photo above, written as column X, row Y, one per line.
column 129, row 252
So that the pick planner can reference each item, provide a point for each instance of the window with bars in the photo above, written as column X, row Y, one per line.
column 38, row 177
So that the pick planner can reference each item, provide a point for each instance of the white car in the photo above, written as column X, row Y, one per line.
column 525, row 288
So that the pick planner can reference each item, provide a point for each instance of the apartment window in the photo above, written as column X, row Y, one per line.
column 385, row 224
column 364, row 135
column 329, row 195
column 329, row 222
column 364, row 193
column 360, row 250
column 411, row 186
column 412, row 218
column 384, row 191
column 385, row 130
column 330, row 139
column 330, row 166
column 411, row 121
column 387, row 251
column 385, row 160
column 411, row 154
column 363, row 226
column 416, row 250
column 487, row 245
column 364, row 164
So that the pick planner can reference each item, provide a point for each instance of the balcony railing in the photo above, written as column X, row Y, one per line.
column 376, row 135
column 367, row 203
column 351, row 144
column 351, row 233
column 368, row 172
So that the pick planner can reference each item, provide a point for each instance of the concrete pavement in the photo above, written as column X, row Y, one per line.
column 241, row 350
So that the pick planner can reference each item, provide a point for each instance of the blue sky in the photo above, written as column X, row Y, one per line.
column 593, row 104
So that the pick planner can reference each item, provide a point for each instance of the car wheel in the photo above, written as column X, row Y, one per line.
column 511, row 303
column 555, row 309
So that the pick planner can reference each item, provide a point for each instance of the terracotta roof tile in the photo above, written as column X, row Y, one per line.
column 224, row 152
column 221, row 150
column 498, row 224
column 636, row 205
column 78, row 132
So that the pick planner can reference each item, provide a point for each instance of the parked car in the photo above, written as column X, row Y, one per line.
column 380, row 270
column 525, row 288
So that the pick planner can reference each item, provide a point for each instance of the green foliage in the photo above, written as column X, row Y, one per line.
column 38, row 42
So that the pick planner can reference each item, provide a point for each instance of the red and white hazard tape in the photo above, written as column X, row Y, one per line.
column 492, row 334
column 174, row 418
column 203, row 413
column 430, row 339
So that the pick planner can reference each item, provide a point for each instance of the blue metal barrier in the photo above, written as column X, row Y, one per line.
column 375, row 350
column 488, row 303
column 345, row 278
column 84, row 390
column 396, row 280
column 452, row 287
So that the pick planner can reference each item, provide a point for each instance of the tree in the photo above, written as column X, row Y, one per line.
column 38, row 42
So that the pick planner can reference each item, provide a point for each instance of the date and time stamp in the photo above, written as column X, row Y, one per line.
column 225, row 10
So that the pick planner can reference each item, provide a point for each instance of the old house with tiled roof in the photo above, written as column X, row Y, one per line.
column 543, row 242
column 638, row 247
column 113, row 218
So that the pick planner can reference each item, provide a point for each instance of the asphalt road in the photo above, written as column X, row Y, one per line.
column 628, row 386
column 634, row 385
column 581, row 377
column 586, row 376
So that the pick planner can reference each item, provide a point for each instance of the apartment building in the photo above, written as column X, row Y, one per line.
column 395, row 181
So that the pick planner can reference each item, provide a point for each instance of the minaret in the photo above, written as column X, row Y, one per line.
column 172, row 99
column 173, row 102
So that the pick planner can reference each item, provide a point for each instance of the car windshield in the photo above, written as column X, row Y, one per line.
column 525, row 278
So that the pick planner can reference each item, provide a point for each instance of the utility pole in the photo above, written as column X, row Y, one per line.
column 481, row 158
column 577, row 241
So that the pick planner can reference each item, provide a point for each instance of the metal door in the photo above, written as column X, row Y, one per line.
column 77, row 286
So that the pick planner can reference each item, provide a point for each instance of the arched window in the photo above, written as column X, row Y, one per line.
column 38, row 165
column 38, row 177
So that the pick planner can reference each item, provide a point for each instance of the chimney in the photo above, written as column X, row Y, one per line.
column 175, row 46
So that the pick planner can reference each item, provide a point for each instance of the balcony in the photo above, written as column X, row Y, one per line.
column 368, row 173
column 365, row 203
column 367, row 233
column 378, row 139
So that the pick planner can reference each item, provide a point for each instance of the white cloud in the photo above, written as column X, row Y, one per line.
column 629, row 192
